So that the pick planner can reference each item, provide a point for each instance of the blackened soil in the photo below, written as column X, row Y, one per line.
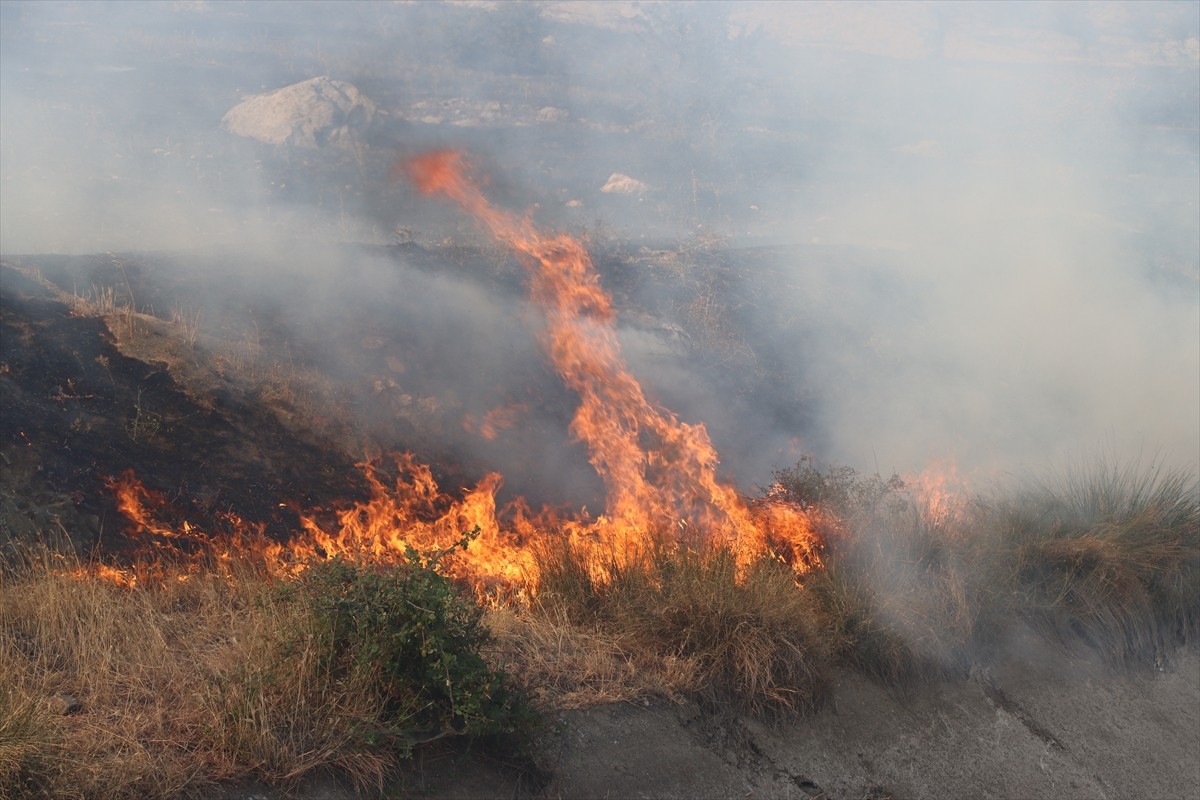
column 77, row 413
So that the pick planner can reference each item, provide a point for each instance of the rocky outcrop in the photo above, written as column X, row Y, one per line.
column 310, row 114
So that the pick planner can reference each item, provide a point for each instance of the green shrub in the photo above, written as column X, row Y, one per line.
column 410, row 636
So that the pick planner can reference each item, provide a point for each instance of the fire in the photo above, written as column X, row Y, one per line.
column 135, row 501
column 940, row 489
column 500, row 418
column 124, row 577
column 415, row 513
column 660, row 473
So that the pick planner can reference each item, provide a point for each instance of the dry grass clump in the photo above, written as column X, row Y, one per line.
column 749, row 640
column 569, row 665
column 1108, row 558
column 901, row 592
column 900, row 595
column 29, row 746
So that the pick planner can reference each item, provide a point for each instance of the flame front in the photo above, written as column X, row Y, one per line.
column 659, row 472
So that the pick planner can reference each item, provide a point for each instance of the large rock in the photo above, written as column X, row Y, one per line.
column 308, row 114
column 623, row 184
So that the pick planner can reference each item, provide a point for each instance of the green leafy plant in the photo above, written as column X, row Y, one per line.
column 408, row 634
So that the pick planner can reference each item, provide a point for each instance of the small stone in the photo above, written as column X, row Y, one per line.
column 68, row 705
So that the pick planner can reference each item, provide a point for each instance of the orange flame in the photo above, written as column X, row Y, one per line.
column 940, row 489
column 500, row 418
column 659, row 472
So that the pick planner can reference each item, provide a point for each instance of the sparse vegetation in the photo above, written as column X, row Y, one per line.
column 144, row 424
column 188, row 323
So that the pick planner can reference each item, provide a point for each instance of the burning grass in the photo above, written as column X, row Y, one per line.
column 219, row 666
column 741, row 638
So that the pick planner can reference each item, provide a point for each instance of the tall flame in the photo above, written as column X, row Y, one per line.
column 659, row 472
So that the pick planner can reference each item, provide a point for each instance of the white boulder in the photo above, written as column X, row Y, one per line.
column 308, row 114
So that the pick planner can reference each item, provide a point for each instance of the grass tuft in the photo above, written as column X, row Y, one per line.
column 1108, row 558
column 744, row 640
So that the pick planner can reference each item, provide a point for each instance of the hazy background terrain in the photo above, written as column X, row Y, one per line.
column 959, row 232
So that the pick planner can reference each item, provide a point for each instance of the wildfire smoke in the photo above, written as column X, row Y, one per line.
column 660, row 473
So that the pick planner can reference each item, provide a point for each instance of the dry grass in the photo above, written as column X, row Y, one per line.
column 1107, row 557
column 181, row 685
column 570, row 665
column 747, row 640
column 902, row 592
column 188, row 324
column 99, row 301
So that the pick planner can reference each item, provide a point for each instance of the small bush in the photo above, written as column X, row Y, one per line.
column 408, row 635
column 839, row 491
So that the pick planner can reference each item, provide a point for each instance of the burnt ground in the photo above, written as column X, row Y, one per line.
column 78, row 412
column 230, row 384
column 228, row 404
